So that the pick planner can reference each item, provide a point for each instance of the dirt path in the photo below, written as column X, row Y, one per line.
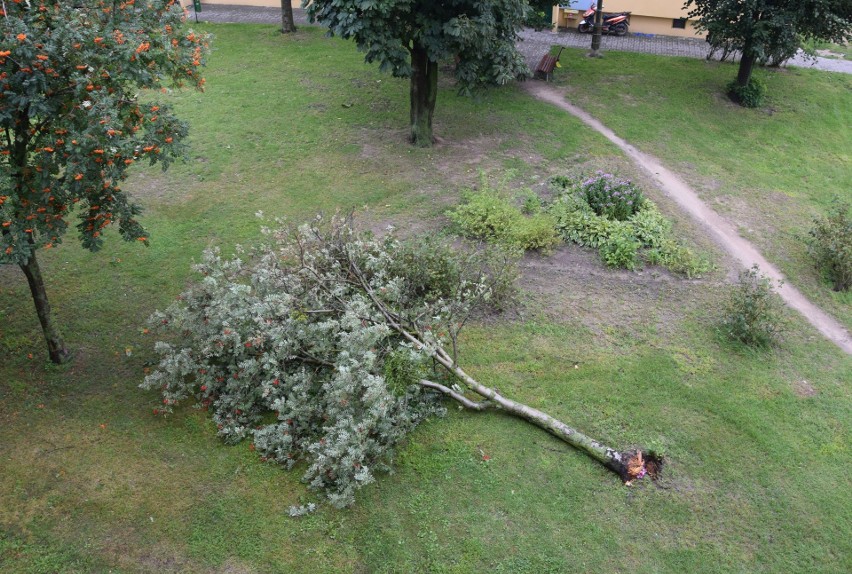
column 720, row 229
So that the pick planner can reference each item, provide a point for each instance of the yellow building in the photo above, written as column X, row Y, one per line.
column 662, row 17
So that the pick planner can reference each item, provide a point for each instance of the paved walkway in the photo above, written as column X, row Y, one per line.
column 534, row 44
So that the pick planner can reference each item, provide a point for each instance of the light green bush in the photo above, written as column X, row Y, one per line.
column 488, row 214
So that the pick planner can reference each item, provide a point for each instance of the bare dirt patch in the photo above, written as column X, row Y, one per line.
column 572, row 285
column 804, row 389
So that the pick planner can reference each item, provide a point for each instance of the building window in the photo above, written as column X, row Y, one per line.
column 679, row 23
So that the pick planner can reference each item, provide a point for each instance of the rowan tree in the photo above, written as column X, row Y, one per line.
column 72, row 121
column 769, row 31
column 408, row 39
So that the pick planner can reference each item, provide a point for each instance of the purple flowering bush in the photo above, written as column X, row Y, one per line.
column 611, row 197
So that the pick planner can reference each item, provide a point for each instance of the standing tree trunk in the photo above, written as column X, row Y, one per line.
column 598, row 32
column 746, row 66
column 424, row 94
column 55, row 345
column 288, row 25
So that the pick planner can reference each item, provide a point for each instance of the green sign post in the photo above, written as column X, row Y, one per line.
column 196, row 5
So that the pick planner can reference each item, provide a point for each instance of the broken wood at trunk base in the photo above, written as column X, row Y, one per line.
column 629, row 465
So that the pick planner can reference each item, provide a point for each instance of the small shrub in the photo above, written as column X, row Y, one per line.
column 611, row 197
column 752, row 314
column 830, row 244
column 484, row 215
column 582, row 227
column 489, row 215
column 620, row 248
column 749, row 96
column 650, row 226
column 677, row 258
column 531, row 203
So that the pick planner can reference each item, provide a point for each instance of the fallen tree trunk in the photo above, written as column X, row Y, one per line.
column 629, row 465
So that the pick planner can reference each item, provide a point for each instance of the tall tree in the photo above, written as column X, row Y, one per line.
column 769, row 30
column 409, row 37
column 288, row 25
column 72, row 124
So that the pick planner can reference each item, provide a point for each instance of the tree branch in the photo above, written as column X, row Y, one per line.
column 458, row 397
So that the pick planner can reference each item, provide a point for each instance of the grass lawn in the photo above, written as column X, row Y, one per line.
column 769, row 170
column 758, row 443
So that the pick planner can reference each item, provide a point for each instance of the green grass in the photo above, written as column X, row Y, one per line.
column 758, row 443
column 829, row 50
column 770, row 170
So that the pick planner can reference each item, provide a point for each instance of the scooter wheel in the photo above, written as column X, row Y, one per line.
column 584, row 28
column 620, row 29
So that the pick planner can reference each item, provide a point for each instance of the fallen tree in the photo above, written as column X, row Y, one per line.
column 333, row 345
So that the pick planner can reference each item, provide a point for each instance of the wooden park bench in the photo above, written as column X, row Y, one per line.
column 547, row 64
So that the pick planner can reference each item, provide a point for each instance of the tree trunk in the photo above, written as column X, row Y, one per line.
column 55, row 345
column 629, row 465
column 288, row 25
column 598, row 32
column 424, row 94
column 609, row 457
column 746, row 66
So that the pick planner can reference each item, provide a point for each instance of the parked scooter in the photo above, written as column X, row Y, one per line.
column 616, row 23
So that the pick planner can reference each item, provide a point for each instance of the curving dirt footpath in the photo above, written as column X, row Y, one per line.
column 720, row 229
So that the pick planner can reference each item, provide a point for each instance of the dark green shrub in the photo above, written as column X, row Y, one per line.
column 620, row 248
column 611, row 197
column 620, row 243
column 753, row 313
column 749, row 96
column 830, row 244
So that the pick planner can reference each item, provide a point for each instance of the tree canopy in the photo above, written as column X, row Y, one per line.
column 72, row 121
column 408, row 38
column 769, row 31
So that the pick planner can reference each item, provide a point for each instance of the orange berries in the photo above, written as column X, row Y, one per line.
column 41, row 57
column 78, row 177
column 21, row 37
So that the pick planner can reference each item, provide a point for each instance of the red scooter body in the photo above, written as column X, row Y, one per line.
column 617, row 23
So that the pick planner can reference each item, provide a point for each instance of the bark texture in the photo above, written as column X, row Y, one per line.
column 598, row 31
column 746, row 66
column 288, row 25
column 55, row 345
column 424, row 94
column 611, row 458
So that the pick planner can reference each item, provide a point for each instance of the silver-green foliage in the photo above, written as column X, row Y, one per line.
column 294, row 354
